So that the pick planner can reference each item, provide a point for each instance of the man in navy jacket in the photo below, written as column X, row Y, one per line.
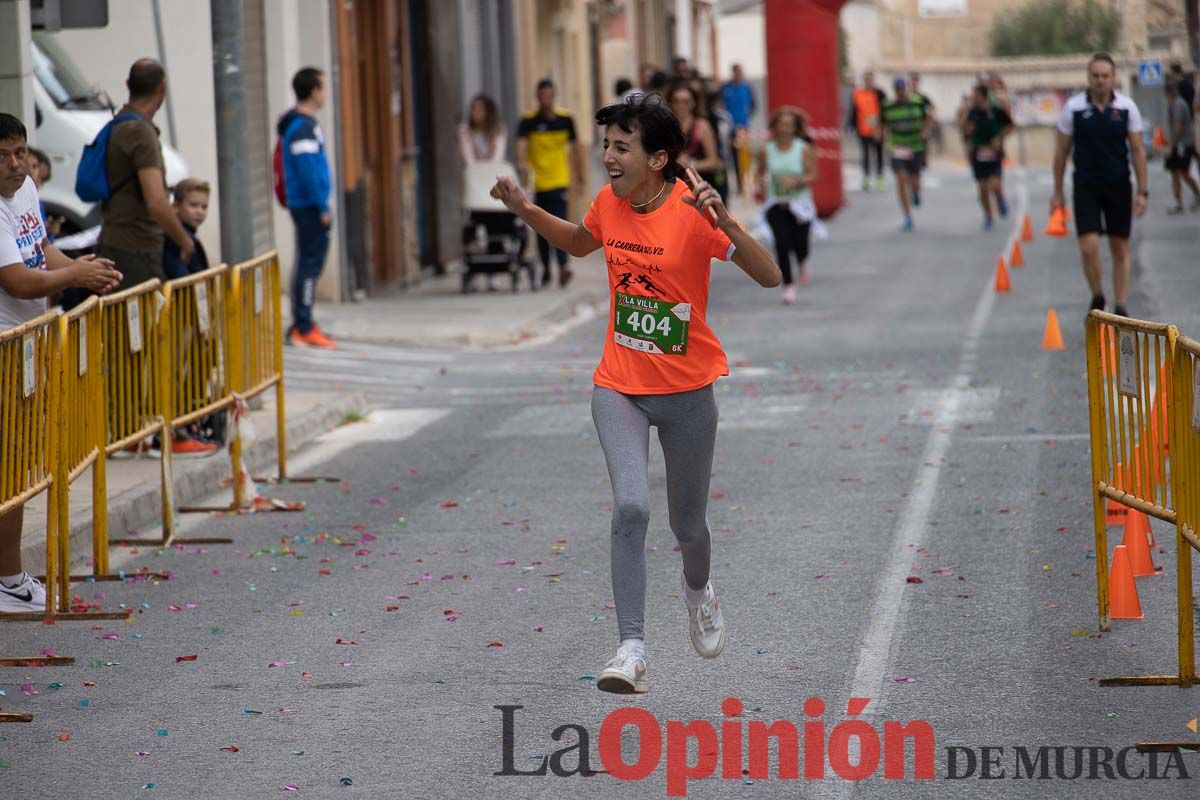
column 306, row 179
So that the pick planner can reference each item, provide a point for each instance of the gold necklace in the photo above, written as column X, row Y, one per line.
column 651, row 200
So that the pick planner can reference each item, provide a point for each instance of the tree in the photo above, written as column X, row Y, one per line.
column 1056, row 27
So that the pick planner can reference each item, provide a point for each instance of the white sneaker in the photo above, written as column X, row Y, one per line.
column 789, row 294
column 625, row 674
column 28, row 595
column 706, row 626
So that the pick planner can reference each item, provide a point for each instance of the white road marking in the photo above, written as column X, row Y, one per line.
column 913, row 525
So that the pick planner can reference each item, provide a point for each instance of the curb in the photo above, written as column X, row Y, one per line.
column 193, row 480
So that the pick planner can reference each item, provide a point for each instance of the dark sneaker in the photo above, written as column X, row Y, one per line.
column 1097, row 302
column 1120, row 310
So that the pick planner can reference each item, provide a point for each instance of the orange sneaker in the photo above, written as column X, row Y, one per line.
column 317, row 338
column 296, row 338
column 191, row 447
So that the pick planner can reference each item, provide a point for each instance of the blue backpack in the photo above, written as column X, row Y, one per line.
column 91, row 178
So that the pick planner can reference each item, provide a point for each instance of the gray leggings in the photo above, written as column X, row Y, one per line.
column 687, row 430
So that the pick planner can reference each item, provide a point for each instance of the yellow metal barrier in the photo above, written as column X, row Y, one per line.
column 82, row 439
column 256, row 287
column 1128, row 367
column 1145, row 452
column 1185, row 457
column 137, row 381
column 29, row 430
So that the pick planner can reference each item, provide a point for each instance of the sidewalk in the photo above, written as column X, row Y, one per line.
column 133, row 484
column 438, row 314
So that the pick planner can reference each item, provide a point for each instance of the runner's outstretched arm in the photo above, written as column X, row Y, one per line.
column 574, row 239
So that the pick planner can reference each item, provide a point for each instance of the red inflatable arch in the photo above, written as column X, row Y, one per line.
column 802, row 70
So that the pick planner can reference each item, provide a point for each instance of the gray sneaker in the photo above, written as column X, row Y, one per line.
column 706, row 626
column 624, row 674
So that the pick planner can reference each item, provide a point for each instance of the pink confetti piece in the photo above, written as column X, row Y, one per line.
column 378, row 501
column 904, row 679
column 277, row 664
column 506, row 562
column 291, row 787
column 110, row 636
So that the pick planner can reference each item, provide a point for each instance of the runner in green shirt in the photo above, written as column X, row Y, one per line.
column 906, row 124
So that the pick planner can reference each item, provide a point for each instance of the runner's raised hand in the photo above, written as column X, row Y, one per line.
column 705, row 199
column 510, row 193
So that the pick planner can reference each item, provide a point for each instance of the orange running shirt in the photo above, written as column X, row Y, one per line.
column 657, row 340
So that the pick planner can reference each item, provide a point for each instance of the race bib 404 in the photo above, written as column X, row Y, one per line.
column 651, row 326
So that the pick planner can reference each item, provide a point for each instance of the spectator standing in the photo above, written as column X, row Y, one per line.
column 738, row 98
column 137, row 212
column 307, row 184
column 191, row 206
column 31, row 269
column 41, row 171
column 548, row 147
column 701, row 150
column 482, row 137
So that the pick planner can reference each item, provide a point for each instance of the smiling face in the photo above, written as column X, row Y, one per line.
column 628, row 164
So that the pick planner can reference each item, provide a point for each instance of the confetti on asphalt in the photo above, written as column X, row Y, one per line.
column 185, row 658
column 913, row 579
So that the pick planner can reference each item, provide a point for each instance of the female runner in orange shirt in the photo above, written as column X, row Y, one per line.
column 660, row 357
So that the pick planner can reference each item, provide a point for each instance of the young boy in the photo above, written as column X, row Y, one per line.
column 190, row 201
column 191, row 206
column 40, row 171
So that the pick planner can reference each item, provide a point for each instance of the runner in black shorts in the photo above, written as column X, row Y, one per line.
column 1105, row 129
column 984, row 126
column 1181, row 138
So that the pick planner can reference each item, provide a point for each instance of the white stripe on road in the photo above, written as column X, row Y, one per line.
column 913, row 525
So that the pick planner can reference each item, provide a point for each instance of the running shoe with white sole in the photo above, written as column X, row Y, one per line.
column 28, row 595
column 706, row 625
column 624, row 674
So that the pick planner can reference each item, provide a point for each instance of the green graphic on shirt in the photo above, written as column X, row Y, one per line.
column 651, row 326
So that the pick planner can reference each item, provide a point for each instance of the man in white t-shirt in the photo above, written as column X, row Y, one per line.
column 31, row 269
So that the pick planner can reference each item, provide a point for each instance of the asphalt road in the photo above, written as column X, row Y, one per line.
column 900, row 422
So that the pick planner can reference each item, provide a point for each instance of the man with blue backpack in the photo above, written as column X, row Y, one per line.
column 123, row 170
column 302, row 185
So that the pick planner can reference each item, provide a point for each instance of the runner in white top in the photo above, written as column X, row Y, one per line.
column 31, row 269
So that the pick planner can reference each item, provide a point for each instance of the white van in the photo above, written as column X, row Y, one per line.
column 69, row 112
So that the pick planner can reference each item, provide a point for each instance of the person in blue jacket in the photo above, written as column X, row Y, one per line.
column 306, row 180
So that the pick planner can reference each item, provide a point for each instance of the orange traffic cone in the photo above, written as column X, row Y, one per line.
column 1137, row 544
column 1057, row 226
column 1052, row 335
column 1122, row 591
column 1002, row 283
column 1160, row 141
column 1016, row 257
column 1026, row 230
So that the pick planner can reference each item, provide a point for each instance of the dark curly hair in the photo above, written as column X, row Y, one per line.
column 648, row 116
